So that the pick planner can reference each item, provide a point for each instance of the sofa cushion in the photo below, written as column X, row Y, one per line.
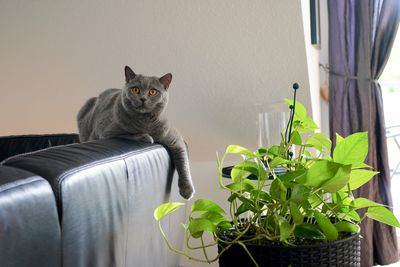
column 29, row 227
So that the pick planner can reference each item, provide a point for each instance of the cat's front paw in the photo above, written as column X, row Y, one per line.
column 186, row 190
column 146, row 138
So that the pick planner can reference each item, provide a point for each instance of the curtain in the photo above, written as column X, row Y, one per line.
column 361, row 34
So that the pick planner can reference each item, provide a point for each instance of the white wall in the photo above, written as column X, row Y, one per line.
column 313, row 53
column 226, row 56
column 324, row 59
column 229, row 59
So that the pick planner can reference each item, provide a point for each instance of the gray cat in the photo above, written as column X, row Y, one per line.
column 137, row 112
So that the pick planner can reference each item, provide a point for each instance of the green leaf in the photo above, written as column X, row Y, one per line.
column 292, row 175
column 326, row 207
column 352, row 150
column 278, row 161
column 261, row 151
column 250, row 204
column 298, row 218
column 285, row 229
column 347, row 227
column 338, row 181
column 307, row 125
column 238, row 175
column 307, row 209
column 225, row 225
column 261, row 195
column 302, row 122
column 300, row 111
column 359, row 178
column 273, row 151
column 309, row 231
column 322, row 171
column 383, row 215
column 242, row 186
column 244, row 207
column 249, row 166
column 299, row 193
column 252, row 167
column 360, row 203
column 198, row 225
column 338, row 139
column 278, row 190
column 233, row 197
column 213, row 217
column 320, row 141
column 351, row 215
column 296, row 138
column 336, row 197
column 361, row 166
column 341, row 196
column 314, row 200
column 326, row 226
column 239, row 150
column 206, row 205
column 317, row 174
column 165, row 209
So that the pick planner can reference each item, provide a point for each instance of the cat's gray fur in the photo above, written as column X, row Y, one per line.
column 138, row 116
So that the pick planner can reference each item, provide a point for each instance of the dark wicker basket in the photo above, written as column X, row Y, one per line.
column 341, row 253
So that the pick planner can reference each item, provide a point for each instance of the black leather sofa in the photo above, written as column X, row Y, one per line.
column 88, row 204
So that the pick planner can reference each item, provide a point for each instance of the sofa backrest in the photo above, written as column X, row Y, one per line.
column 106, row 193
column 19, row 144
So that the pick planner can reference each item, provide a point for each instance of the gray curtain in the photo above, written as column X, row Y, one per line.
column 361, row 34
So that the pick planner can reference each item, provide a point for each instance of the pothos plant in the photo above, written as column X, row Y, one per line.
column 311, row 200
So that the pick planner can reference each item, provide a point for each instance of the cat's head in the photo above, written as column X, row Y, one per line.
column 145, row 94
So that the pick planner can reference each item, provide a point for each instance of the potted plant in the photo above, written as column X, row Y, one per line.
column 304, row 216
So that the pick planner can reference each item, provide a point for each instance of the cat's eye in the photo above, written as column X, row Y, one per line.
column 153, row 92
column 135, row 90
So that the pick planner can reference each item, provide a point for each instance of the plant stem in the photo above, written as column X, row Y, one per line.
column 179, row 251
column 204, row 249
column 248, row 253
column 323, row 201
column 199, row 247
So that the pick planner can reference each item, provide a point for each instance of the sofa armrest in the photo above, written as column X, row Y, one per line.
column 106, row 192
column 29, row 227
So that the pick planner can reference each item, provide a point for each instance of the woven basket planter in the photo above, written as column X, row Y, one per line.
column 341, row 253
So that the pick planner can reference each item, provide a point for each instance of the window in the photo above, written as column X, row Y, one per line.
column 390, row 83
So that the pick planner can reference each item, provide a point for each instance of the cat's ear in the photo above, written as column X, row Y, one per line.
column 166, row 80
column 129, row 74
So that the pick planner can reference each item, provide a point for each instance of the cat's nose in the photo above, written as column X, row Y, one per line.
column 143, row 99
